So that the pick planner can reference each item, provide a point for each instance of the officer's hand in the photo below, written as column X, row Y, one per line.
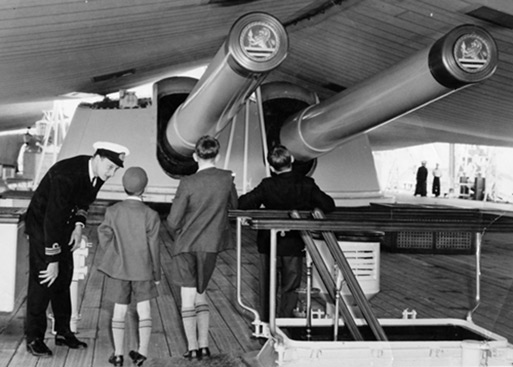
column 76, row 237
column 50, row 274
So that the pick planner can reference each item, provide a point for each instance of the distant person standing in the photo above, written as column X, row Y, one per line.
column 421, row 186
column 54, row 221
column 436, row 181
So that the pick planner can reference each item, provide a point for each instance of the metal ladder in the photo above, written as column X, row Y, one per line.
column 330, row 283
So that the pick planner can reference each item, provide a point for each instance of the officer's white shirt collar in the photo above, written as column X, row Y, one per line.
column 91, row 174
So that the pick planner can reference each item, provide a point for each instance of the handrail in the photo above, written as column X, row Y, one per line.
column 256, row 315
column 272, row 287
column 477, row 296
column 328, row 281
column 387, row 219
column 350, row 278
column 354, row 226
column 477, row 222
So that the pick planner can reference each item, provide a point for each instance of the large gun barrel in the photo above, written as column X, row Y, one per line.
column 464, row 56
column 257, row 43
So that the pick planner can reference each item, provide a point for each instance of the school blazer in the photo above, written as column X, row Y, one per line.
column 199, row 213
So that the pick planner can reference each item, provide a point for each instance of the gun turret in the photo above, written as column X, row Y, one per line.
column 257, row 44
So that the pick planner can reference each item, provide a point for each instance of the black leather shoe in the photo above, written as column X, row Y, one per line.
column 204, row 352
column 70, row 340
column 192, row 354
column 116, row 360
column 38, row 348
column 137, row 357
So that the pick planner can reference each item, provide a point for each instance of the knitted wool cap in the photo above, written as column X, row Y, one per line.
column 135, row 180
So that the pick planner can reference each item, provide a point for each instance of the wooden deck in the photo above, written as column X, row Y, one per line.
column 434, row 285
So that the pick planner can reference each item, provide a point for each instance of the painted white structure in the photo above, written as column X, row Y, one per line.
column 364, row 259
column 14, row 261
column 346, row 173
column 491, row 350
column 80, row 271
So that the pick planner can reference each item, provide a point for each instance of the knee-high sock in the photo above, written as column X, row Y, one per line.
column 145, row 324
column 188, row 295
column 203, row 317
column 144, row 335
column 118, row 334
column 189, row 325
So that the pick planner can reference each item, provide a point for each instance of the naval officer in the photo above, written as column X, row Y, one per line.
column 54, row 222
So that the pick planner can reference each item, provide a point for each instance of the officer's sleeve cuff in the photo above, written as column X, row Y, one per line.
column 53, row 251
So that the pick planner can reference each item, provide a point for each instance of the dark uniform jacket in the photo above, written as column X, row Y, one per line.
column 61, row 199
column 199, row 213
column 286, row 191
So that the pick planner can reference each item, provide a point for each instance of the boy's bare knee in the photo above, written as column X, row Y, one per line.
column 119, row 311
column 144, row 310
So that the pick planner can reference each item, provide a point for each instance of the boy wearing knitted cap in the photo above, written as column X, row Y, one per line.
column 129, row 237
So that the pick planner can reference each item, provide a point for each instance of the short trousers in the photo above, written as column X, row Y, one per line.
column 193, row 269
column 123, row 291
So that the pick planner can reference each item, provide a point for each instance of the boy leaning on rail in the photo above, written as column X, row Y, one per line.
column 284, row 190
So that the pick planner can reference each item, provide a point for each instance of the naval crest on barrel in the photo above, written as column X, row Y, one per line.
column 472, row 53
column 259, row 41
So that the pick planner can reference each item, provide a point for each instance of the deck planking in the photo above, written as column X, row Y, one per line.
column 434, row 285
